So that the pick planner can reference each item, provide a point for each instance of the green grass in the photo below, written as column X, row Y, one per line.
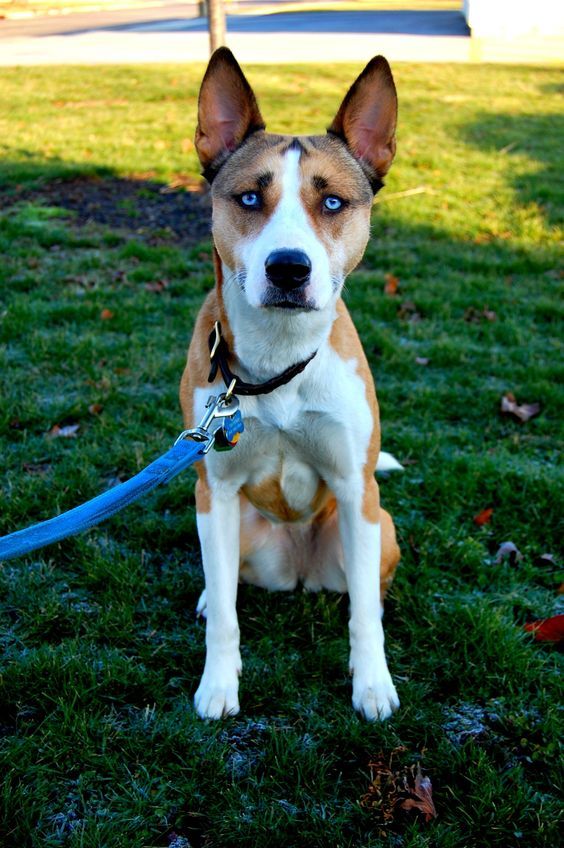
column 99, row 743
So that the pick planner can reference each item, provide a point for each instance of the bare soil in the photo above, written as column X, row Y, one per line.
column 149, row 209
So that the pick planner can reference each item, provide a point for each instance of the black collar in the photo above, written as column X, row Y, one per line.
column 219, row 355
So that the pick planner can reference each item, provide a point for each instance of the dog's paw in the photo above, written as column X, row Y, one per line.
column 202, row 606
column 218, row 694
column 377, row 700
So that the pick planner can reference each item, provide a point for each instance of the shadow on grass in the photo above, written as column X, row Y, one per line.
column 180, row 212
column 536, row 136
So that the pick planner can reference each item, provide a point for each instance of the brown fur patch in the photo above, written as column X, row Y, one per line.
column 268, row 498
column 329, row 169
column 390, row 552
column 246, row 171
column 197, row 369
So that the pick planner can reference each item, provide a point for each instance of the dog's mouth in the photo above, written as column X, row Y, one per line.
column 295, row 299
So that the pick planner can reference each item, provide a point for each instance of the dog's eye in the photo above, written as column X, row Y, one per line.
column 250, row 200
column 332, row 203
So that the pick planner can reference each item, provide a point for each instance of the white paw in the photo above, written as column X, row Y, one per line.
column 202, row 606
column 218, row 694
column 375, row 700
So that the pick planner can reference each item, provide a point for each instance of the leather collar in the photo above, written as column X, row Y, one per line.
column 219, row 356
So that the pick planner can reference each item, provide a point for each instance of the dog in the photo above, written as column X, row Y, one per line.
column 297, row 500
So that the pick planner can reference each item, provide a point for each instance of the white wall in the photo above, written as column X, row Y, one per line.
column 510, row 18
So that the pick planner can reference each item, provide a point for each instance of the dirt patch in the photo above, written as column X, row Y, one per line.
column 153, row 211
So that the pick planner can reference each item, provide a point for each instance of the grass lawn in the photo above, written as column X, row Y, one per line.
column 99, row 744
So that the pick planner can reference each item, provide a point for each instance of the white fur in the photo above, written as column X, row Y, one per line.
column 288, row 227
column 217, row 693
column 387, row 462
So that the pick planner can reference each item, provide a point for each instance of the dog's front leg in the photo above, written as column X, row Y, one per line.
column 218, row 528
column 374, row 694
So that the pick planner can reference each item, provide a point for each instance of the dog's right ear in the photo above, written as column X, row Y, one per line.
column 227, row 111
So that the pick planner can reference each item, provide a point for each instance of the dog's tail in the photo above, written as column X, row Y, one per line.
column 387, row 462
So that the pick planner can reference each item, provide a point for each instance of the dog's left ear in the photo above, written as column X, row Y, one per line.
column 227, row 109
column 367, row 117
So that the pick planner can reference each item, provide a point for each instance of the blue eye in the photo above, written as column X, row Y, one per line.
column 333, row 204
column 250, row 200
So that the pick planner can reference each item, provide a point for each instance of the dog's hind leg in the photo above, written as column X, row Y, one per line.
column 326, row 563
column 267, row 556
column 390, row 554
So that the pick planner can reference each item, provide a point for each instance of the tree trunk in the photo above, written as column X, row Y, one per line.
column 216, row 24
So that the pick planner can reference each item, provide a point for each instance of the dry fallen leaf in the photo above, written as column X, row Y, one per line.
column 157, row 286
column 523, row 412
column 507, row 550
column 392, row 285
column 476, row 316
column 546, row 559
column 408, row 312
column 483, row 517
column 95, row 408
column 547, row 629
column 394, row 790
column 37, row 468
column 68, row 431
column 106, row 314
column 421, row 797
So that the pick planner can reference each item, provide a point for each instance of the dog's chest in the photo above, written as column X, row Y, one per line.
column 299, row 441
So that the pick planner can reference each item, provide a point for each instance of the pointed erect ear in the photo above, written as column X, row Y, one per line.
column 367, row 118
column 227, row 109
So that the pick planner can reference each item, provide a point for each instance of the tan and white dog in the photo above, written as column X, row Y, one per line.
column 297, row 500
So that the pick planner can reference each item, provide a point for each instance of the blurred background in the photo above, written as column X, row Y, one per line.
column 108, row 31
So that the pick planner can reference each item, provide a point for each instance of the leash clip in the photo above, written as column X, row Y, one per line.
column 220, row 426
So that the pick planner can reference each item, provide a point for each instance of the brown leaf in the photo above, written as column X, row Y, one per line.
column 489, row 314
column 106, row 314
column 37, row 468
column 507, row 550
column 95, row 408
column 421, row 797
column 392, row 285
column 523, row 412
column 385, row 785
column 408, row 312
column 476, row 316
column 483, row 517
column 67, row 431
column 157, row 286
column 546, row 559
column 547, row 629
column 395, row 790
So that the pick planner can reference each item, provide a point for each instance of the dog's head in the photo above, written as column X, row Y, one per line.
column 291, row 215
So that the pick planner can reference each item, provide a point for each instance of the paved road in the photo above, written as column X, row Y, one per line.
column 182, row 17
column 42, row 25
column 173, row 34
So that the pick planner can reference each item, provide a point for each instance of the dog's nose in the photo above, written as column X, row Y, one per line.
column 288, row 269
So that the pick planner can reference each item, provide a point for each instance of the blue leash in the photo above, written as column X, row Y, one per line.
column 220, row 427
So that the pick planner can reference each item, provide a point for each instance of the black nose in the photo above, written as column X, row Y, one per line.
column 288, row 269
